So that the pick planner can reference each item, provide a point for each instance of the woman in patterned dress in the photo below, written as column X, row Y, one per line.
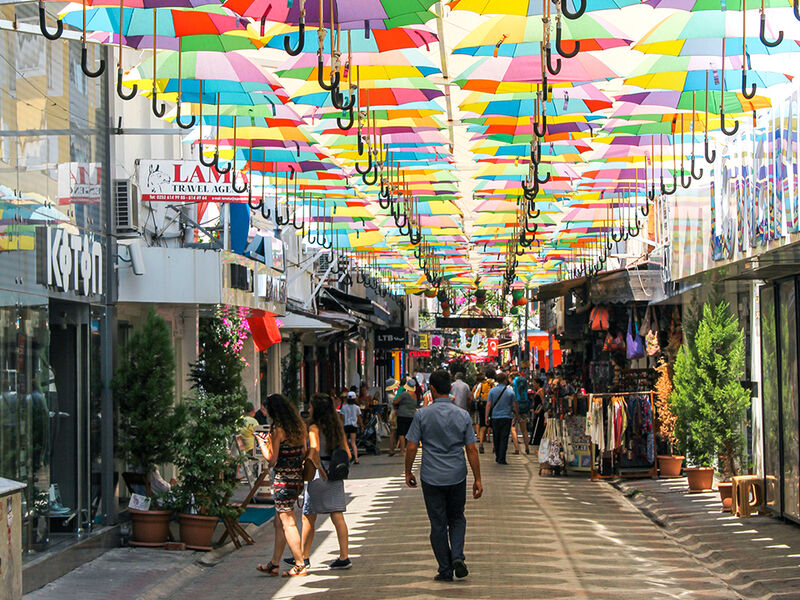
column 285, row 449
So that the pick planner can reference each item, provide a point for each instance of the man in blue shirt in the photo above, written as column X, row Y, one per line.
column 445, row 431
column 501, row 408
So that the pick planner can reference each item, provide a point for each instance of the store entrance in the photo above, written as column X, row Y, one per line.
column 69, row 399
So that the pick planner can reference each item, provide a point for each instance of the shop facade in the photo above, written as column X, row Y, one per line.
column 56, row 422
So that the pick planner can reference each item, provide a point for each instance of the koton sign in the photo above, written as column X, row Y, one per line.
column 69, row 262
column 184, row 181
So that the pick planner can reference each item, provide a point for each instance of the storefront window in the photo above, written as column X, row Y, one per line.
column 787, row 317
column 770, row 399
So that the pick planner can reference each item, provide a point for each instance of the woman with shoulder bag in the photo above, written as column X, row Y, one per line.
column 323, row 496
column 285, row 451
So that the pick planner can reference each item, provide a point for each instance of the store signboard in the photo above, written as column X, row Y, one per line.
column 469, row 322
column 390, row 338
column 184, row 181
column 493, row 344
column 424, row 341
column 79, row 183
column 69, row 262
column 419, row 353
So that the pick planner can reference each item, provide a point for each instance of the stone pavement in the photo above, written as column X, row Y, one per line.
column 758, row 557
column 528, row 537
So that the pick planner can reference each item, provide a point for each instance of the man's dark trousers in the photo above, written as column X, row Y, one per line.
column 501, row 429
column 445, row 506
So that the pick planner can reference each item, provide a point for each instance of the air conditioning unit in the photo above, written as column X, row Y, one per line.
column 126, row 207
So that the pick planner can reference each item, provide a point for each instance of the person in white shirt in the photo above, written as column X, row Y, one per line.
column 351, row 415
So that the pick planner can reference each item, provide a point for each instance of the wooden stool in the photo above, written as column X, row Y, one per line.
column 745, row 487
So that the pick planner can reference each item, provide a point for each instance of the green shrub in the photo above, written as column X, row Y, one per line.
column 708, row 399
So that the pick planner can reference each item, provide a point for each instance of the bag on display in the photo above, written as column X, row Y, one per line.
column 598, row 319
column 635, row 344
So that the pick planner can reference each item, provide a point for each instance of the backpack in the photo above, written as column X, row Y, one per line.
column 483, row 393
column 339, row 467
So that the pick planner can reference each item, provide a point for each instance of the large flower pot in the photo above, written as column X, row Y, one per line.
column 700, row 479
column 197, row 530
column 726, row 494
column 669, row 465
column 150, row 527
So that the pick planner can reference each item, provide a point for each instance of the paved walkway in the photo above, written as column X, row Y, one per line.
column 527, row 537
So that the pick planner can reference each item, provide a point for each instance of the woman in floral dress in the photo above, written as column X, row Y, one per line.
column 285, row 449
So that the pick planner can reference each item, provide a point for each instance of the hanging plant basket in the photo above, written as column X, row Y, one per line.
column 430, row 293
column 517, row 294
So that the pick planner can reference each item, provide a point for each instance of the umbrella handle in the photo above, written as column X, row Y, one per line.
column 560, row 46
column 710, row 158
column 43, row 25
column 695, row 175
column 203, row 162
column 259, row 204
column 180, row 123
column 85, row 63
column 369, row 165
column 337, row 99
column 648, row 198
column 346, row 125
column 287, row 44
column 579, row 12
column 334, row 85
column 549, row 61
column 235, row 187
column 665, row 190
column 762, row 33
column 217, row 167
column 158, row 112
column 536, row 175
column 374, row 179
column 752, row 91
column 796, row 9
column 122, row 94
column 685, row 183
column 723, row 128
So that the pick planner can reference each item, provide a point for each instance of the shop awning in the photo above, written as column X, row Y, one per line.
column 294, row 320
column 337, row 300
column 627, row 285
column 560, row 288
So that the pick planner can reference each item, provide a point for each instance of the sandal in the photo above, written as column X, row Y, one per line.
column 270, row 569
column 296, row 571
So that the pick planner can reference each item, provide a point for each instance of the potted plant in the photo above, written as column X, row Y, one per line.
column 670, row 464
column 709, row 400
column 207, row 469
column 144, row 388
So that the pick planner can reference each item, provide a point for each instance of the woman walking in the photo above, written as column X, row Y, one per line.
column 351, row 414
column 285, row 450
column 325, row 434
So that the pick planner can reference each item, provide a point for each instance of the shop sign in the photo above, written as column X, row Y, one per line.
column 469, row 322
column 436, row 341
column 419, row 353
column 184, row 181
column 424, row 341
column 390, row 338
column 79, row 183
column 69, row 262
column 493, row 347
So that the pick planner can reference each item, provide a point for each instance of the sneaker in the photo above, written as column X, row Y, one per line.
column 341, row 564
column 440, row 577
column 460, row 569
column 290, row 561
column 480, row 448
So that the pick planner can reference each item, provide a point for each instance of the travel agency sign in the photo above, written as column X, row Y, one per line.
column 184, row 181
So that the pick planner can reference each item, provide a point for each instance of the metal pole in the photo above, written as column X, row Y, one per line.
column 526, row 351
column 108, row 330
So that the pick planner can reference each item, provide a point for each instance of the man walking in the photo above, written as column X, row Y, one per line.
column 500, row 409
column 444, row 430
column 462, row 395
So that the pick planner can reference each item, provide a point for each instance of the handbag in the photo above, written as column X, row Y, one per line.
column 339, row 466
column 635, row 345
column 651, row 343
column 614, row 344
column 598, row 318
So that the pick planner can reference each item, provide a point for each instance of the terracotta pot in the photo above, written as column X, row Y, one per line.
column 197, row 530
column 700, row 479
column 150, row 527
column 669, row 465
column 725, row 494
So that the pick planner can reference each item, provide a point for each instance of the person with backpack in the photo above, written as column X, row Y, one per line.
column 500, row 410
column 523, row 416
column 327, row 449
column 481, row 394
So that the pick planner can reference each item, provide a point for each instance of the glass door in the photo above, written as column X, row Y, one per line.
column 770, row 399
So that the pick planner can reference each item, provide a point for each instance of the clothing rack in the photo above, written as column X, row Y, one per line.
column 595, row 474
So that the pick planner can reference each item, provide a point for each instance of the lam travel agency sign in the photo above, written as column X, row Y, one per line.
column 69, row 262
column 184, row 181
